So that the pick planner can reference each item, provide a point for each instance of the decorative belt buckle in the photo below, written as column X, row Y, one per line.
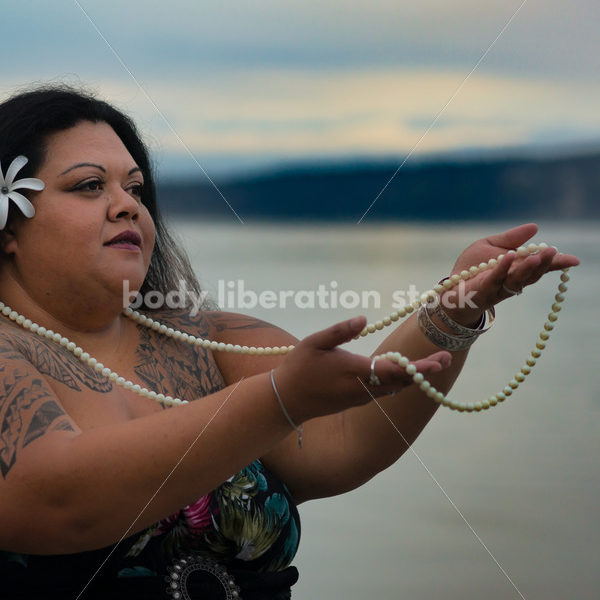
column 184, row 567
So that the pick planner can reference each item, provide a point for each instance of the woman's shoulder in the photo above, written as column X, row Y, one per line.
column 222, row 326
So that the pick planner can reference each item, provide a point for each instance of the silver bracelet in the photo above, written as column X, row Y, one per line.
column 452, row 343
column 484, row 323
column 298, row 430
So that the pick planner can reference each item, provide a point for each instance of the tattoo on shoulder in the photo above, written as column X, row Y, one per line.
column 27, row 411
column 51, row 360
column 224, row 321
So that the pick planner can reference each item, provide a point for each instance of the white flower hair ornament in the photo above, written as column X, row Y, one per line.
column 8, row 187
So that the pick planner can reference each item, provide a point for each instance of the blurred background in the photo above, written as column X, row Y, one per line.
column 300, row 144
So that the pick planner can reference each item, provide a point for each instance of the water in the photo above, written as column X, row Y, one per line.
column 497, row 505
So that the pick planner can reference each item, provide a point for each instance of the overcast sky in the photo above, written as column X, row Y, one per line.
column 249, row 83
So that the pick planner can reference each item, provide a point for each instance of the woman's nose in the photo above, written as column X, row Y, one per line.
column 123, row 205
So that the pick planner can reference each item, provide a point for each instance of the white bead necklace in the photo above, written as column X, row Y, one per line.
column 398, row 358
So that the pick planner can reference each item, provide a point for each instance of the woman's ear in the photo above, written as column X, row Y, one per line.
column 8, row 241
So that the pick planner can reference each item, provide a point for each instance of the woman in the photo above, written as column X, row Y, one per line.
column 94, row 475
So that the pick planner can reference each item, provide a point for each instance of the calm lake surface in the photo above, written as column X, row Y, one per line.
column 496, row 505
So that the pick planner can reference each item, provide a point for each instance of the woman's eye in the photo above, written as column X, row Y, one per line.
column 89, row 186
column 136, row 190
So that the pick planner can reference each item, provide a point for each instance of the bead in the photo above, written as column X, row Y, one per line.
column 465, row 274
column 99, row 367
column 520, row 377
column 63, row 341
column 113, row 376
column 49, row 334
column 540, row 345
column 532, row 247
column 559, row 298
column 542, row 245
column 469, row 407
column 409, row 308
column 548, row 326
column 544, row 335
column 498, row 258
column 71, row 346
column 556, row 307
column 501, row 397
column 170, row 331
column 493, row 262
column 536, row 353
column 387, row 321
column 562, row 288
column 483, row 266
column 410, row 369
column 455, row 278
column 418, row 378
column 526, row 369
column 379, row 325
column 493, row 400
column 394, row 316
column 155, row 326
column 552, row 317
column 91, row 361
column 439, row 397
column 176, row 334
column 522, row 252
column 531, row 362
column 564, row 277
column 485, row 404
column 214, row 345
column 6, row 310
column 507, row 391
column 128, row 385
column 120, row 381
column 20, row 319
column 403, row 361
column 431, row 392
column 13, row 315
column 448, row 283
column 438, row 289
column 371, row 328
column 513, row 384
column 473, row 270
column 84, row 356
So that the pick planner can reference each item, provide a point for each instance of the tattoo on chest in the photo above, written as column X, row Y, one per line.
column 172, row 367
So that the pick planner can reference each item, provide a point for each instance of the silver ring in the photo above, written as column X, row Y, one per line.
column 374, row 380
column 512, row 292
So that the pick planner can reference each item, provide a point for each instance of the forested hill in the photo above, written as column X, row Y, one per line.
column 526, row 189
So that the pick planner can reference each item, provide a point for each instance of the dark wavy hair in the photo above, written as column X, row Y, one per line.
column 29, row 117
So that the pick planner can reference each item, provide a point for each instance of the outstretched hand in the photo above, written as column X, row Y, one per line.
column 319, row 378
column 510, row 275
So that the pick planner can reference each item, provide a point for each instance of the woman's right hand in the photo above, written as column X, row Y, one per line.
column 318, row 378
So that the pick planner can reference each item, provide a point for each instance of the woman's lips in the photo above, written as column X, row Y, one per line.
column 126, row 240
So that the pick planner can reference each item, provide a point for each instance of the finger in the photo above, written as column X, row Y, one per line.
column 512, row 238
column 563, row 261
column 337, row 334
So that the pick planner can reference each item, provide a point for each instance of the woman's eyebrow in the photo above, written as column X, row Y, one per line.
column 84, row 164
column 87, row 164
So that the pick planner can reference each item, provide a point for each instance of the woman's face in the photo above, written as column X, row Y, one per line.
column 92, row 195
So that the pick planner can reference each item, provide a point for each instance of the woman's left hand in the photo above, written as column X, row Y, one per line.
column 512, row 273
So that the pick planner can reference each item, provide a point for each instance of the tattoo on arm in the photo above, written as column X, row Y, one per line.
column 27, row 411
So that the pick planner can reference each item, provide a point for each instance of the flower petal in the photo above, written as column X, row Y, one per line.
column 15, row 166
column 25, row 206
column 3, row 210
column 29, row 183
column 2, row 184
